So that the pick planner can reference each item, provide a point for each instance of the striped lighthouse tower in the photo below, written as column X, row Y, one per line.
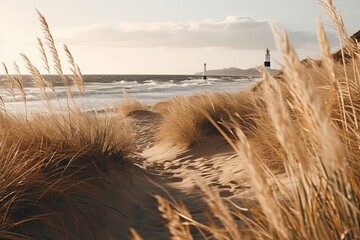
column 267, row 63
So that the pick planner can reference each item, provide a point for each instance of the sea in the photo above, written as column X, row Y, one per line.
column 103, row 92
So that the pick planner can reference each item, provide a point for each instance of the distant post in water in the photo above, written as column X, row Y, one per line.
column 204, row 73
column 267, row 63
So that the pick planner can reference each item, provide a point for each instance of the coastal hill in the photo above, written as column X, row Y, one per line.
column 233, row 71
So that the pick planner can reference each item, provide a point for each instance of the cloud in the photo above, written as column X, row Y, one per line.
column 234, row 32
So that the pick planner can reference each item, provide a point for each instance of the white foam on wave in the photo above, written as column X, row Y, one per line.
column 100, row 95
column 150, row 83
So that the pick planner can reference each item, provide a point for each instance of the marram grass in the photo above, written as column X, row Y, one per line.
column 296, row 134
column 49, row 158
column 312, row 112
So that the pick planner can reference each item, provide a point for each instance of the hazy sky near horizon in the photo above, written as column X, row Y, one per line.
column 165, row 36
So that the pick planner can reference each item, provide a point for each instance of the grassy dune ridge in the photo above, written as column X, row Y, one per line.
column 186, row 117
column 49, row 158
column 295, row 136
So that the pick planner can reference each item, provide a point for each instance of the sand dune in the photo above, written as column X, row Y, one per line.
column 122, row 196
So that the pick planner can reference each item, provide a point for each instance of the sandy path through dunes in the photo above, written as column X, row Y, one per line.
column 122, row 197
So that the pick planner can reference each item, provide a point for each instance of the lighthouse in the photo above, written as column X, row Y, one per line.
column 204, row 73
column 267, row 63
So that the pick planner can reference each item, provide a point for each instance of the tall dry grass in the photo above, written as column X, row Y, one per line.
column 47, row 159
column 311, row 117
column 128, row 105
column 187, row 118
column 297, row 136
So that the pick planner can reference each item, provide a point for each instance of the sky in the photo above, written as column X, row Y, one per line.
column 165, row 36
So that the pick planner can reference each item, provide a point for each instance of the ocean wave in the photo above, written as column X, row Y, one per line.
column 108, row 90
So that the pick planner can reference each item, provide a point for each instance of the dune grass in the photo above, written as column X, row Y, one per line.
column 50, row 158
column 128, row 105
column 47, row 158
column 186, row 118
column 296, row 134
column 311, row 118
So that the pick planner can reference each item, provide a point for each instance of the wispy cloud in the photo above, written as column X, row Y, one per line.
column 234, row 32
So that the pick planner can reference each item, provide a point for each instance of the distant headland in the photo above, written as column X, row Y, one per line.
column 233, row 71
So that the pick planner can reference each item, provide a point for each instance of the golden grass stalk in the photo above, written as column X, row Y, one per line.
column 51, row 44
column 281, row 119
column 338, row 90
column 15, row 81
column 76, row 77
column 38, row 80
column 336, row 18
column 297, row 162
column 2, row 105
column 182, row 212
column 262, row 188
column 330, row 67
column 347, row 51
column 19, row 82
column 356, row 71
column 177, row 229
column 326, row 53
column 135, row 235
column 9, row 81
column 43, row 55
column 221, row 211
column 57, row 63
column 310, row 109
